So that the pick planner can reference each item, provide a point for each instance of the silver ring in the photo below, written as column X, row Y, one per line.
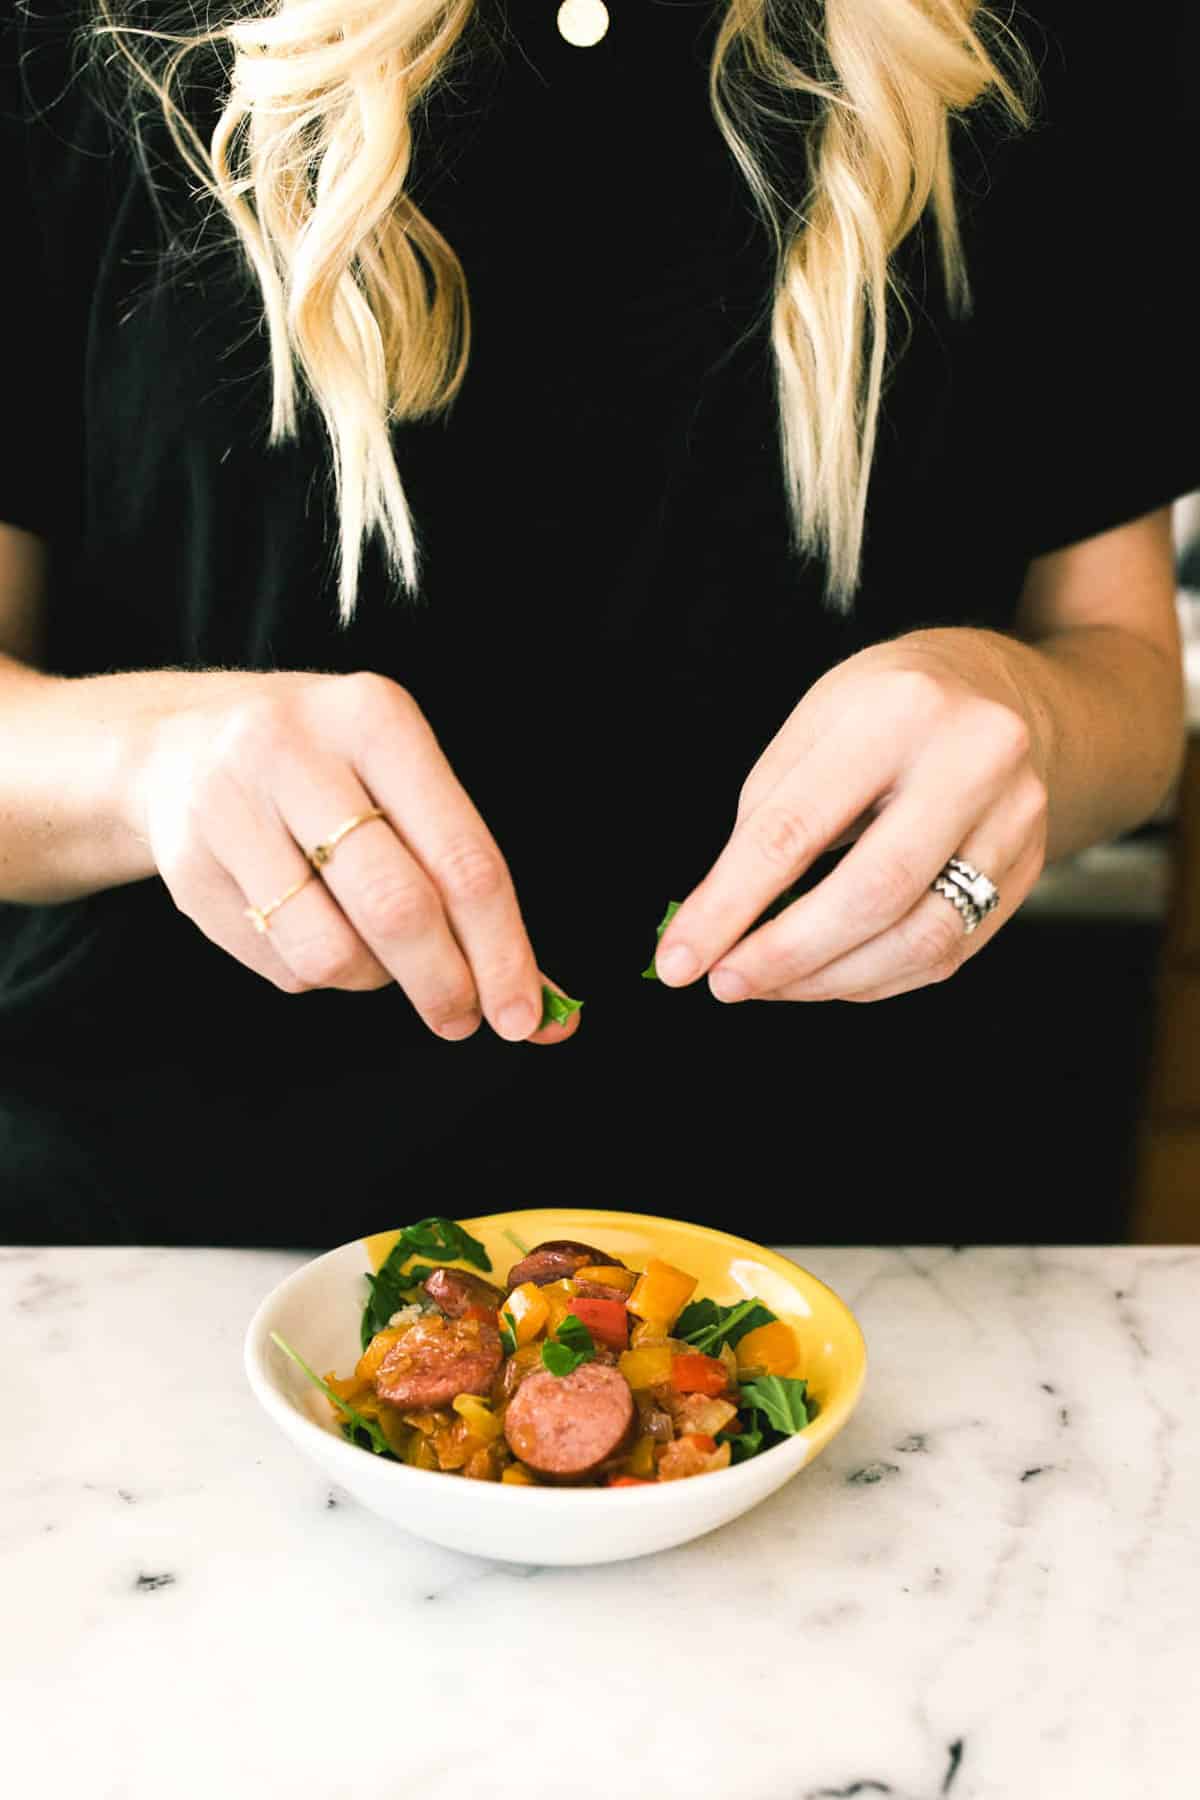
column 983, row 893
column 965, row 907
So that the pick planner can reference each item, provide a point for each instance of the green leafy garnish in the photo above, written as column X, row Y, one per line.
column 706, row 1325
column 508, row 1334
column 745, row 1443
column 571, row 1345
column 389, row 1287
column 514, row 1239
column 556, row 1008
column 650, row 973
column 781, row 1401
column 355, row 1420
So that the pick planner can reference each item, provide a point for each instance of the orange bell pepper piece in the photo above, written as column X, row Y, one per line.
column 697, row 1374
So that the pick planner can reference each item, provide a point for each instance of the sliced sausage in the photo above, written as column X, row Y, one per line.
column 599, row 1290
column 556, row 1258
column 566, row 1426
column 438, row 1358
column 454, row 1290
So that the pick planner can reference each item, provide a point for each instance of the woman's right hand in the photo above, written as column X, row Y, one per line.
column 230, row 791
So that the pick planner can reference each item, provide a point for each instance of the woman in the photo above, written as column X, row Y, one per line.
column 465, row 488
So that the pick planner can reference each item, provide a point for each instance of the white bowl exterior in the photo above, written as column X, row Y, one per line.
column 316, row 1310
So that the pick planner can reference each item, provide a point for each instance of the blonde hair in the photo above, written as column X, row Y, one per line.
column 366, row 302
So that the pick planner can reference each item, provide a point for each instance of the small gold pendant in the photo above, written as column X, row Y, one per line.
column 583, row 22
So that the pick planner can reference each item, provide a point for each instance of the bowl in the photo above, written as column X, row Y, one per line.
column 318, row 1309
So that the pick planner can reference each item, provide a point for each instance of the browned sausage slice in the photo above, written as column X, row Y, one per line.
column 556, row 1258
column 600, row 1290
column 454, row 1290
column 438, row 1358
column 567, row 1425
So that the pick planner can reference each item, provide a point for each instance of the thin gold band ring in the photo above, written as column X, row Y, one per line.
column 260, row 916
column 320, row 853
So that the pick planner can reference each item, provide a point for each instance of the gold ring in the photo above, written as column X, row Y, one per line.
column 260, row 915
column 320, row 853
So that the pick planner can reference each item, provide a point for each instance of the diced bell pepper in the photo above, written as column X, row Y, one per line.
column 641, row 1458
column 529, row 1311
column 517, row 1475
column 368, row 1363
column 607, row 1320
column 771, row 1348
column 560, row 1300
column 698, row 1374
column 480, row 1419
column 662, row 1292
column 629, row 1481
column 648, row 1367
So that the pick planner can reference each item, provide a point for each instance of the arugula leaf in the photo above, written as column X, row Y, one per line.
column 781, row 1399
column 556, row 1008
column 571, row 1345
column 707, row 1326
column 355, row 1420
column 650, row 973
column 388, row 1288
column 508, row 1334
column 745, row 1443
column 514, row 1239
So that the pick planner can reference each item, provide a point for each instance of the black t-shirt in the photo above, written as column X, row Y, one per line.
column 613, row 624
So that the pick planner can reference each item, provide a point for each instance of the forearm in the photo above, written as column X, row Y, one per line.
column 1106, row 713
column 69, row 756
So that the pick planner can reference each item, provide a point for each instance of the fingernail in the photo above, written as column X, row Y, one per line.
column 460, row 1027
column 727, row 984
column 516, row 1020
column 676, row 964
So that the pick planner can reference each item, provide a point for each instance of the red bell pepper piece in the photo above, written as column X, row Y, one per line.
column 630, row 1481
column 607, row 1320
column 692, row 1373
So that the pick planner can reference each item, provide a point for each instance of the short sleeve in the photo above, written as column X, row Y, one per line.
column 1109, row 315
column 27, row 338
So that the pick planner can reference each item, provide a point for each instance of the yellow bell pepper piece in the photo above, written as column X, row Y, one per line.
column 647, row 1367
column 641, row 1458
column 649, row 1331
column 662, row 1292
column 368, row 1363
column 420, row 1452
column 528, row 1309
column 397, row 1433
column 625, row 1279
column 771, row 1347
column 517, row 1475
column 558, row 1296
column 482, row 1422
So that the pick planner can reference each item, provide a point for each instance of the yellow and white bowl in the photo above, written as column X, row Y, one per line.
column 317, row 1310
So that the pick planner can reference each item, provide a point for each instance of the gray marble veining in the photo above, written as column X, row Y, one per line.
column 988, row 1587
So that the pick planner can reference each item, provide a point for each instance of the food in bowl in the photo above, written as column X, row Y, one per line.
column 579, row 1371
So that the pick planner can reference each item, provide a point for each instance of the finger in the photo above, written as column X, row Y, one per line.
column 402, row 763
column 810, row 807
column 930, row 943
column 380, row 889
column 555, row 1033
column 875, row 885
column 205, row 893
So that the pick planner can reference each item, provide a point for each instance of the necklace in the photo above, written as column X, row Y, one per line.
column 583, row 22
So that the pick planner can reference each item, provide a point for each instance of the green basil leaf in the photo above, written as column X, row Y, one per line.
column 781, row 1400
column 650, row 973
column 707, row 1325
column 571, row 1345
column 508, row 1334
column 556, row 1008
column 355, row 1420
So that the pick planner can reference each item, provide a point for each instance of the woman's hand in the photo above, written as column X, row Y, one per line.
column 916, row 751
column 230, row 792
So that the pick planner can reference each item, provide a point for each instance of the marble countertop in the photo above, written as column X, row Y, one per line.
column 988, row 1587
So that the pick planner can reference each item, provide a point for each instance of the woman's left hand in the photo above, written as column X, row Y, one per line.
column 915, row 751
